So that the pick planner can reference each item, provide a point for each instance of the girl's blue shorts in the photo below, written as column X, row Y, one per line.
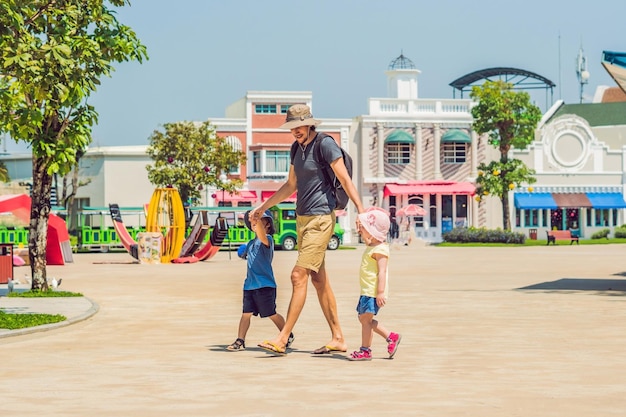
column 367, row 305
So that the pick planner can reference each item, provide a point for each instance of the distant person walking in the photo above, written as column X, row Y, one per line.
column 315, row 223
column 259, row 287
column 373, row 226
column 394, row 229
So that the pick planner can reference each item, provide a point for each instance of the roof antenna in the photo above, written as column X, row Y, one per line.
column 581, row 70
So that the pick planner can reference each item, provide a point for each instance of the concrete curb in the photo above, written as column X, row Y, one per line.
column 4, row 333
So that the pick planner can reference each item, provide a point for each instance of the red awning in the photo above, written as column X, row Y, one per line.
column 267, row 194
column 241, row 195
column 430, row 187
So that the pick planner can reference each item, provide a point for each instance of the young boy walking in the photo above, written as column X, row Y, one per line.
column 373, row 226
column 259, row 287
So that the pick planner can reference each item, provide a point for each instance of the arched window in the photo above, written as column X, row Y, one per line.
column 235, row 144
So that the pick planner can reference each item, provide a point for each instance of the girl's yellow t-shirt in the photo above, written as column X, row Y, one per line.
column 369, row 270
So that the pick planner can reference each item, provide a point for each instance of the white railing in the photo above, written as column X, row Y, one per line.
column 395, row 106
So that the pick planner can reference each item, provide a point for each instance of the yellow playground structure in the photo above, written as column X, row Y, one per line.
column 166, row 216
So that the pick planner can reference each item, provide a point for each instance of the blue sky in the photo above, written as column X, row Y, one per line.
column 205, row 54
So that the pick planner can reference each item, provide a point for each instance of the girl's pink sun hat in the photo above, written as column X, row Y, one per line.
column 376, row 222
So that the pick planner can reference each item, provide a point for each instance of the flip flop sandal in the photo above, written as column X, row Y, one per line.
column 270, row 347
column 327, row 350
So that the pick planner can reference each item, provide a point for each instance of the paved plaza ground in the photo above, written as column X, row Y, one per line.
column 530, row 331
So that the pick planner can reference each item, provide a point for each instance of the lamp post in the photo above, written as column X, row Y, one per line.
column 581, row 71
column 223, row 180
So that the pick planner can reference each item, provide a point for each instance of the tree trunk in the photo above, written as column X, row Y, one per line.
column 506, row 218
column 69, row 195
column 72, row 219
column 504, row 158
column 38, row 229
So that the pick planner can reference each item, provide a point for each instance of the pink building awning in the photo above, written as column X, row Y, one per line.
column 267, row 194
column 242, row 195
column 430, row 187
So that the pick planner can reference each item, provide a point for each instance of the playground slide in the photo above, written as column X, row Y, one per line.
column 213, row 245
column 198, row 232
column 58, row 247
column 127, row 240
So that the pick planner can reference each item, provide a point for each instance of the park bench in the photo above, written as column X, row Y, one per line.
column 554, row 235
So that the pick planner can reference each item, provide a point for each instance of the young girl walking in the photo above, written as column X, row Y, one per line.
column 373, row 226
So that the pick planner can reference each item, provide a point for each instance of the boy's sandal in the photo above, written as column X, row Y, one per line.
column 290, row 340
column 237, row 345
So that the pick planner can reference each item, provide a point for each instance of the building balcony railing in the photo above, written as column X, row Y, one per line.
column 417, row 107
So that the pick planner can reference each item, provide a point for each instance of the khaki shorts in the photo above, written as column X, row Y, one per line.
column 314, row 232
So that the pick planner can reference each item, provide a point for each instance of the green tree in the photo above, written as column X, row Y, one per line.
column 52, row 56
column 4, row 173
column 510, row 120
column 190, row 156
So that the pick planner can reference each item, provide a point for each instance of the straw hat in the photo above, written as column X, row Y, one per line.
column 299, row 115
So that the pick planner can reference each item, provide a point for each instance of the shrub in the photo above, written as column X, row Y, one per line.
column 44, row 294
column 604, row 233
column 620, row 232
column 482, row 235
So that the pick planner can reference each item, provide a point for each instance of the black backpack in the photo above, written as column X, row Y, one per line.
column 341, row 197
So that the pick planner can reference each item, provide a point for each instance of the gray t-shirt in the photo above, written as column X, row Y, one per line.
column 314, row 194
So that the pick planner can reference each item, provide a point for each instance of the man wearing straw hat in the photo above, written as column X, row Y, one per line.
column 315, row 223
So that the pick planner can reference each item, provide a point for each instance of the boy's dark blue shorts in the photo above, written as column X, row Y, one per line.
column 261, row 301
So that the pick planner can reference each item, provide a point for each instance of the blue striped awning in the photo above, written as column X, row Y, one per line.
column 606, row 200
column 534, row 201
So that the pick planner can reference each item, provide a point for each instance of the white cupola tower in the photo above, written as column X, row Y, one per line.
column 402, row 78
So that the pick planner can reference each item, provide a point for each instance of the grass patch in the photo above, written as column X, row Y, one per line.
column 13, row 321
column 21, row 321
column 44, row 294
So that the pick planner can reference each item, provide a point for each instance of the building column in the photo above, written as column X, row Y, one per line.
column 380, row 146
column 474, row 206
column 419, row 163
column 623, row 170
column 474, row 161
column 437, row 151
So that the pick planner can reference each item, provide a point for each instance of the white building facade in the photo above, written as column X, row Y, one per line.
column 579, row 155
column 421, row 152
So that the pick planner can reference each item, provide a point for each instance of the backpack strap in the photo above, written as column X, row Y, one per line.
column 293, row 151
column 320, row 159
column 318, row 149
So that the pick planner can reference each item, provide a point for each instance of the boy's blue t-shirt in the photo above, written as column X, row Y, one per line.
column 260, row 273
